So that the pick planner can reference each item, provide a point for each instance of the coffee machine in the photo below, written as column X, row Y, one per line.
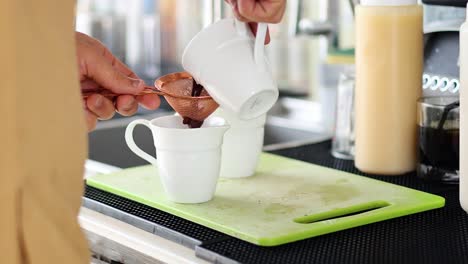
column 442, row 21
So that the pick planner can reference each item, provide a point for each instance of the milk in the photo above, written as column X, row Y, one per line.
column 464, row 116
column 389, row 65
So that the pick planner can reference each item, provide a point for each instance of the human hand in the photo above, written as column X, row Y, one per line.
column 99, row 69
column 253, row 11
column 268, row 11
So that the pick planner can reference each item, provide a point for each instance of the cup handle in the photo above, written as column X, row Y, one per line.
column 131, row 142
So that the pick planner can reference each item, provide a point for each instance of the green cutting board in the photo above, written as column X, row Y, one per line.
column 287, row 200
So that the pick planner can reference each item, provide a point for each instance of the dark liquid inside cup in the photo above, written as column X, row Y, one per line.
column 196, row 92
column 439, row 151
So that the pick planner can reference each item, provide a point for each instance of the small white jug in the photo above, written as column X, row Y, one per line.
column 230, row 63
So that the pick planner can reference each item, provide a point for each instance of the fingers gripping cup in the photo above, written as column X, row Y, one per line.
column 229, row 62
column 188, row 160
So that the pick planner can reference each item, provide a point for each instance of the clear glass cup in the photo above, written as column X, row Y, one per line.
column 343, row 139
column 439, row 133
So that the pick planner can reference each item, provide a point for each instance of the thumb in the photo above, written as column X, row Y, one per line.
column 103, row 73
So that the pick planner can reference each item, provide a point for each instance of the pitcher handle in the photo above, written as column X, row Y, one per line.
column 259, row 48
column 131, row 142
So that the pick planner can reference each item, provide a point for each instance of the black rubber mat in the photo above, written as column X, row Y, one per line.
column 163, row 219
column 437, row 236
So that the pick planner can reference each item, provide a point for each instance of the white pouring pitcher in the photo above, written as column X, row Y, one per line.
column 230, row 63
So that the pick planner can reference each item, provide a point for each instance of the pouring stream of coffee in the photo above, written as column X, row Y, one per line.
column 196, row 91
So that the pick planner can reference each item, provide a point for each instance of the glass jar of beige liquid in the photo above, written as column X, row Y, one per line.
column 389, row 64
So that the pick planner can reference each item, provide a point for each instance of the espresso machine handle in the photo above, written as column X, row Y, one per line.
column 456, row 3
column 304, row 26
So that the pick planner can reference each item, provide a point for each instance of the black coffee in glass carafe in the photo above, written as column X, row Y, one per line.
column 439, row 133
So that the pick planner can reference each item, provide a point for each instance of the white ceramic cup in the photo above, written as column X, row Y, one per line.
column 242, row 145
column 188, row 160
column 230, row 63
